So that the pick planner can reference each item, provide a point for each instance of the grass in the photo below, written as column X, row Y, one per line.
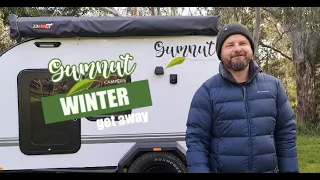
column 309, row 148
column 309, row 154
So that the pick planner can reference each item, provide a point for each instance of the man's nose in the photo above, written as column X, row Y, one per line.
column 237, row 47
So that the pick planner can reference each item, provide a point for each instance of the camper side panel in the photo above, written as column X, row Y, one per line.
column 166, row 120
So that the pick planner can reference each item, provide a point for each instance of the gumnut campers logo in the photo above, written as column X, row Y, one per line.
column 84, row 101
column 182, row 53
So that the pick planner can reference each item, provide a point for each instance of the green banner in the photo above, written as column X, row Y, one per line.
column 96, row 101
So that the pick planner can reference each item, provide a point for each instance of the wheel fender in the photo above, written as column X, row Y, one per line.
column 143, row 147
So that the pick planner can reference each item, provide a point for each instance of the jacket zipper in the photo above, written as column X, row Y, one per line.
column 249, row 125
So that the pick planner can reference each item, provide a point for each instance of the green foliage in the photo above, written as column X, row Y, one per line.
column 308, row 143
column 307, row 129
column 308, row 153
column 41, row 11
column 6, row 42
column 284, row 70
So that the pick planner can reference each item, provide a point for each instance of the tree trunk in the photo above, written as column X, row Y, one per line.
column 304, row 76
column 235, row 15
column 153, row 12
column 158, row 11
column 305, row 92
column 134, row 11
column 267, row 66
column 256, row 33
column 173, row 11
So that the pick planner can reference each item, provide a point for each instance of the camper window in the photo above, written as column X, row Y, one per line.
column 43, row 86
column 38, row 88
column 37, row 137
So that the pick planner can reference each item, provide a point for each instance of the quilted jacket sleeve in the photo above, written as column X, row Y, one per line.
column 198, row 132
column 285, row 134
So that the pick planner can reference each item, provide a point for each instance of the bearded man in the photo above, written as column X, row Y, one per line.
column 240, row 120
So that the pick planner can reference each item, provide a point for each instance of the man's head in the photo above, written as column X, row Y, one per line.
column 235, row 46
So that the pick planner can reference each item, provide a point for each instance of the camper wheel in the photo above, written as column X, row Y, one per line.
column 157, row 162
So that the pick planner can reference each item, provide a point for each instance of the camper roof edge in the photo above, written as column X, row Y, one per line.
column 67, row 27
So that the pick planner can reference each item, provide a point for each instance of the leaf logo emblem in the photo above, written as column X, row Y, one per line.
column 176, row 61
column 81, row 86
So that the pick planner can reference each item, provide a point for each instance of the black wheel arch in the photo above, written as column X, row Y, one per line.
column 143, row 147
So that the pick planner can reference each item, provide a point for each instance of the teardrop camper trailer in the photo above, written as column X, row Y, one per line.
column 155, row 144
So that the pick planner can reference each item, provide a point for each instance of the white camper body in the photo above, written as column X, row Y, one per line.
column 25, row 64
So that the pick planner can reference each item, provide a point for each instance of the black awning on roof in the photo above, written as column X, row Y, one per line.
column 66, row 27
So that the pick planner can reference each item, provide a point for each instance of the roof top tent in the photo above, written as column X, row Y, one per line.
column 28, row 143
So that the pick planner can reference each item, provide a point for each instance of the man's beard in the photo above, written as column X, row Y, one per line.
column 238, row 65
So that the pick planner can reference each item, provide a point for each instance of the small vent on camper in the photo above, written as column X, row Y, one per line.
column 47, row 44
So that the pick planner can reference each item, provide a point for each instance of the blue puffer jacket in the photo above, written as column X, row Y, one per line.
column 239, row 128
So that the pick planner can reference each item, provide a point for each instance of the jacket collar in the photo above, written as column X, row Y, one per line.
column 254, row 69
